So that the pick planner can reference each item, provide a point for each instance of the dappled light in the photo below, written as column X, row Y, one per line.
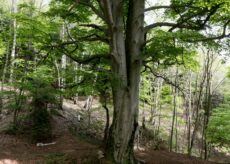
column 114, row 81
column 8, row 161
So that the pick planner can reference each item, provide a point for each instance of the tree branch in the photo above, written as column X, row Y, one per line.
column 187, row 5
column 87, row 59
column 199, row 24
column 89, row 38
column 94, row 37
column 223, row 35
column 183, row 21
column 94, row 26
column 157, row 7
column 94, row 9
column 168, row 81
column 168, row 24
column 108, row 13
column 84, row 59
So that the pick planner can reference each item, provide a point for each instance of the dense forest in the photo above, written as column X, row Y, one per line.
column 114, row 81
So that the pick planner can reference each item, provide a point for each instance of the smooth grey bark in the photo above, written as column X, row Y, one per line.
column 88, row 106
column 13, row 51
column 64, row 57
column 126, row 64
column 59, row 81
column 77, row 78
column 63, row 64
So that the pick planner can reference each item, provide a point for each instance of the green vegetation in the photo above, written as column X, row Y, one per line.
column 219, row 125
column 145, row 82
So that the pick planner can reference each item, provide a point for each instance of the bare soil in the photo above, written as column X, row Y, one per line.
column 165, row 157
column 70, row 149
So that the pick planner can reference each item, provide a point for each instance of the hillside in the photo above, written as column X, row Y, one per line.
column 70, row 146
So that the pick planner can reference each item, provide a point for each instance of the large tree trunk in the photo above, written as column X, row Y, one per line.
column 126, row 65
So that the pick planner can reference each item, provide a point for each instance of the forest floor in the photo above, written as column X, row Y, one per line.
column 69, row 148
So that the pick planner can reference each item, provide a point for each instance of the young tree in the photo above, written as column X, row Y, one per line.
column 14, row 29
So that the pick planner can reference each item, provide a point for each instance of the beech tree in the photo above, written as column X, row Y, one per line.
column 111, row 43
column 130, row 43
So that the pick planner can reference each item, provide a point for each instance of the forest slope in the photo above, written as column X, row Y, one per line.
column 69, row 148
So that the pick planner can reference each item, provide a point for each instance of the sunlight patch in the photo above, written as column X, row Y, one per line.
column 8, row 161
